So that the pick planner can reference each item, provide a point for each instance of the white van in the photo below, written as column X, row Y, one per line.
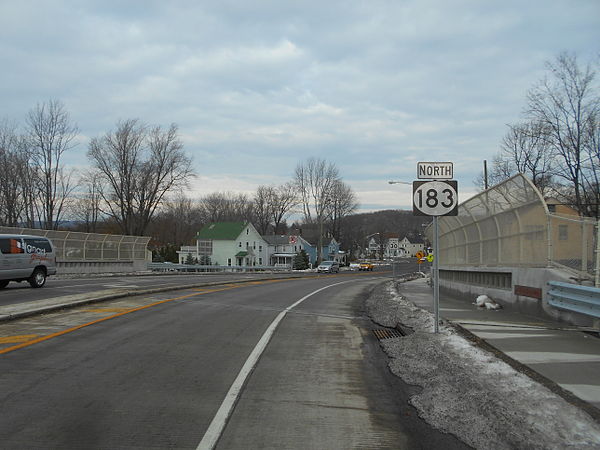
column 26, row 258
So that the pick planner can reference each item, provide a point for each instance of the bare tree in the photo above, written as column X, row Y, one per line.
column 591, row 167
column 13, row 160
column 526, row 148
column 87, row 207
column 138, row 166
column 263, row 208
column 226, row 207
column 315, row 179
column 343, row 203
column 51, row 133
column 284, row 199
column 565, row 104
column 177, row 221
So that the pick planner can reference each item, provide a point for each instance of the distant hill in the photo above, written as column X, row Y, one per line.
column 357, row 227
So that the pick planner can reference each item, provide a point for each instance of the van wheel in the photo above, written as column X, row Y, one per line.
column 37, row 278
column 3, row 283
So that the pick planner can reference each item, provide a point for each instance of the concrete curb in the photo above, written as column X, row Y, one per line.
column 71, row 301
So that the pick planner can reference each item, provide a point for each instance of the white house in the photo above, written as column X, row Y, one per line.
column 410, row 248
column 228, row 244
column 283, row 248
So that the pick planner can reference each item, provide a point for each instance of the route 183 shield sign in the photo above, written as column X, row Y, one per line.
column 435, row 198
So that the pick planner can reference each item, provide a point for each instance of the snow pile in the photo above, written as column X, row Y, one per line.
column 483, row 301
column 470, row 393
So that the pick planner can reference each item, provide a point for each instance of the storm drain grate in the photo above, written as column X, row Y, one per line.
column 387, row 333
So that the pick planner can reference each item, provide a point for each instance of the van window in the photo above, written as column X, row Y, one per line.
column 37, row 246
column 11, row 246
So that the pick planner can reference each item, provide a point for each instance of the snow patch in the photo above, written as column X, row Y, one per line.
column 469, row 392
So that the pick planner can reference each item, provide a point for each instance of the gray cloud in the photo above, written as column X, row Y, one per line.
column 257, row 86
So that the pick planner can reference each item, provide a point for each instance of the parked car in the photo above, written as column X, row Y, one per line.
column 26, row 258
column 328, row 267
column 354, row 266
column 366, row 266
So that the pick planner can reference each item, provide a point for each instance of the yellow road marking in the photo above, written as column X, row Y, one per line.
column 16, row 339
column 28, row 340
column 35, row 340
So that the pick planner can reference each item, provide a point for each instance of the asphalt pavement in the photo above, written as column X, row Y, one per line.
column 152, row 371
column 554, row 352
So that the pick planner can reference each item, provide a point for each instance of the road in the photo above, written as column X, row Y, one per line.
column 58, row 287
column 104, row 377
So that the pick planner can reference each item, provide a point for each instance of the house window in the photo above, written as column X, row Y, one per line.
column 552, row 208
column 240, row 244
column 260, row 261
column 260, row 248
column 247, row 231
column 247, row 244
column 205, row 247
column 254, row 245
column 563, row 232
column 228, row 261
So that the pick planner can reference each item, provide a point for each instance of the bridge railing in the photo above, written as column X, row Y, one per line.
column 576, row 298
column 171, row 267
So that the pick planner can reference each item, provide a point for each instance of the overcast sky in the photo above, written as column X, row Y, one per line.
column 257, row 86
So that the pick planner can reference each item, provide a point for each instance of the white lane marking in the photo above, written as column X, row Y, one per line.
column 553, row 357
column 500, row 335
column 588, row 392
column 216, row 427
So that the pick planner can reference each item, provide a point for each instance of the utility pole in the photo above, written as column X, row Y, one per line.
column 485, row 174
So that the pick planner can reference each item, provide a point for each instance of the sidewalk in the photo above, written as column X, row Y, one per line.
column 557, row 351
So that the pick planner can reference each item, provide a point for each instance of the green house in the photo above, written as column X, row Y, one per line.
column 232, row 244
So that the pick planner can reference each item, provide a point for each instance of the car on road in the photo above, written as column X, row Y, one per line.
column 26, row 258
column 328, row 267
column 365, row 265
column 354, row 266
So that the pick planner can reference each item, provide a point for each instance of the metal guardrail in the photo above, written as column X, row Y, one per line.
column 171, row 267
column 573, row 297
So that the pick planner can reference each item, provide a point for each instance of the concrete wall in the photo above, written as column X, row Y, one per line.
column 522, row 279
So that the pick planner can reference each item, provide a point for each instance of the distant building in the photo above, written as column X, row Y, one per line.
column 408, row 248
column 283, row 249
column 240, row 244
column 228, row 244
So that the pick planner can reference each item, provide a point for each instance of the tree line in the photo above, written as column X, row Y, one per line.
column 557, row 143
column 316, row 196
column 132, row 169
column 136, row 181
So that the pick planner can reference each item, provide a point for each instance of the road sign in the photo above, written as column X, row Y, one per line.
column 435, row 198
column 420, row 255
column 430, row 257
column 435, row 170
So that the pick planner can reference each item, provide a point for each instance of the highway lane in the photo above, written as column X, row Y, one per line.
column 16, row 293
column 156, row 377
column 57, row 287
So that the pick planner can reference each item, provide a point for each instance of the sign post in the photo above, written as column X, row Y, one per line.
column 435, row 198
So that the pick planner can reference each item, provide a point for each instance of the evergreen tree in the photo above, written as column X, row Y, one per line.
column 189, row 260
column 301, row 261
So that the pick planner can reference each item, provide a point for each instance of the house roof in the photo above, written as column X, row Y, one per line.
column 415, row 240
column 276, row 239
column 221, row 231
column 284, row 239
